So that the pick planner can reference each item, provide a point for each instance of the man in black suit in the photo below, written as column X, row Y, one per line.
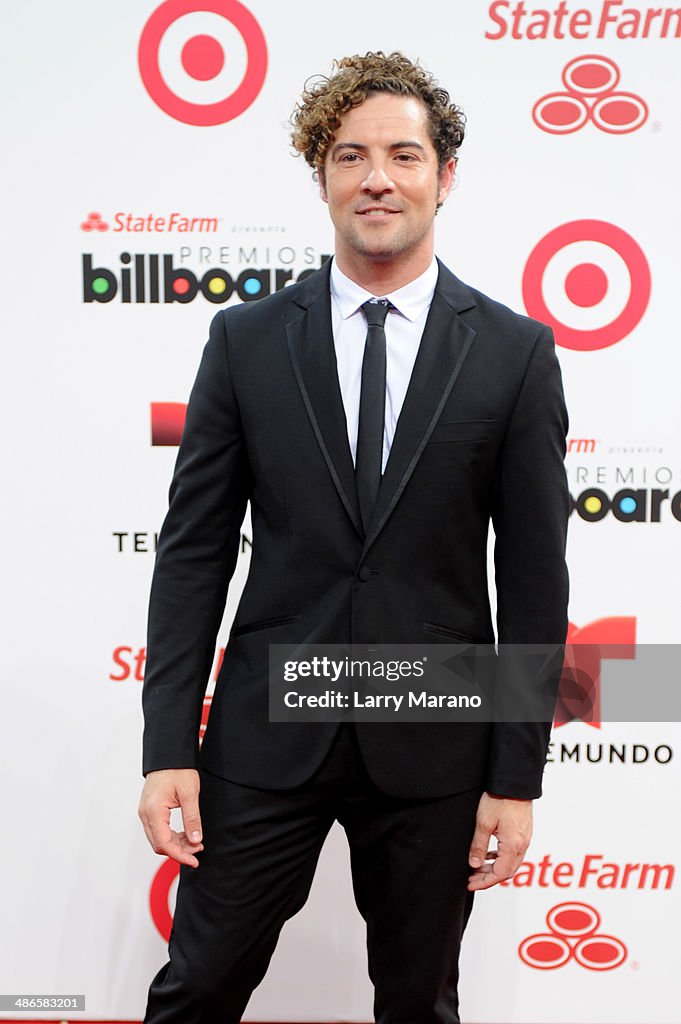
column 357, row 538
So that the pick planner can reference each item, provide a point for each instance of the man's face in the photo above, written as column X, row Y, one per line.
column 382, row 184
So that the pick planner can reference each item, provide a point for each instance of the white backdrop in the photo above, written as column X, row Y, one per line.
column 96, row 162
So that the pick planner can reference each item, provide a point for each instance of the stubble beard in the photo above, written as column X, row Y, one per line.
column 377, row 251
column 402, row 243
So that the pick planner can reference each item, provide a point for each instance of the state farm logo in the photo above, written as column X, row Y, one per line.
column 573, row 935
column 591, row 95
column 592, row 871
column 94, row 222
column 590, row 281
column 609, row 19
column 581, row 445
column 169, row 223
column 203, row 62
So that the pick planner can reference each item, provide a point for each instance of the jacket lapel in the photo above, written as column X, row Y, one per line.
column 444, row 346
column 310, row 340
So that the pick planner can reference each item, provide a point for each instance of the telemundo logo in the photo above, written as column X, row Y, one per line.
column 153, row 278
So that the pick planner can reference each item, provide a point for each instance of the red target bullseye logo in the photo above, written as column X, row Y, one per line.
column 590, row 83
column 162, row 886
column 187, row 59
column 573, row 935
column 590, row 281
column 159, row 896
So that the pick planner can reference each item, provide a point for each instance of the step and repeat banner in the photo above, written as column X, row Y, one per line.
column 149, row 181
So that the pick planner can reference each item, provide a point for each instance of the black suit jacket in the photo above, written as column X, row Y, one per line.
column 481, row 437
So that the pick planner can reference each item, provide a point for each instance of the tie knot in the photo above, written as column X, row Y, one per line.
column 376, row 310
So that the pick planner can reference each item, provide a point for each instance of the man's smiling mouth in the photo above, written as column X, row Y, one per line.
column 377, row 212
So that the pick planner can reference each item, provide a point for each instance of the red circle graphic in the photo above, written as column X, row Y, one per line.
column 591, row 74
column 619, row 113
column 609, row 235
column 545, row 952
column 586, row 284
column 573, row 920
column 158, row 896
column 181, row 285
column 560, row 113
column 202, row 57
column 600, row 952
column 197, row 113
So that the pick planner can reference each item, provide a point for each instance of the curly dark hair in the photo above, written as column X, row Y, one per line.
column 318, row 115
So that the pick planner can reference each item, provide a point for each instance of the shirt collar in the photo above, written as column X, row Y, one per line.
column 411, row 300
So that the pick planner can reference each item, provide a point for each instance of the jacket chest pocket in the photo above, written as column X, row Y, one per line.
column 461, row 431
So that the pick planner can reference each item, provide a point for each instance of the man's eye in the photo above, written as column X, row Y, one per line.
column 349, row 157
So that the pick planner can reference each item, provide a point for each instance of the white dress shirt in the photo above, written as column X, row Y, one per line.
column 403, row 329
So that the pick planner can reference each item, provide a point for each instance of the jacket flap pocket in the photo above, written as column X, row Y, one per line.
column 461, row 430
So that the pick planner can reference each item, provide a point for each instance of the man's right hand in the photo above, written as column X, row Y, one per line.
column 163, row 791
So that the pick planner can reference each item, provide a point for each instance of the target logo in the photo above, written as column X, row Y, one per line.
column 573, row 935
column 162, row 895
column 590, row 281
column 203, row 62
column 164, row 883
column 591, row 95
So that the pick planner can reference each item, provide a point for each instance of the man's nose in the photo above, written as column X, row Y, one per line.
column 377, row 179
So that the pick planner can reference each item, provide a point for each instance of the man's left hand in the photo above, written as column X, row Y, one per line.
column 511, row 822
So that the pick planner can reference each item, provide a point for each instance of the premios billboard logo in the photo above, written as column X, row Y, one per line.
column 590, row 281
column 155, row 278
column 203, row 62
column 636, row 492
column 590, row 95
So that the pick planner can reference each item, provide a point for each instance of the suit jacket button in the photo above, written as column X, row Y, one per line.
column 364, row 573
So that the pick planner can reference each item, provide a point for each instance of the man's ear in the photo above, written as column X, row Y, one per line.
column 446, row 180
column 321, row 177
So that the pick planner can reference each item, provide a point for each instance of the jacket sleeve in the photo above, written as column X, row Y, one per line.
column 196, row 555
column 530, row 514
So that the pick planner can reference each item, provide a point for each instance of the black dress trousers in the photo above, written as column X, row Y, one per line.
column 410, row 868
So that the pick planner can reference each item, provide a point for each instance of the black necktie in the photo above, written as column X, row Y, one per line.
column 369, row 458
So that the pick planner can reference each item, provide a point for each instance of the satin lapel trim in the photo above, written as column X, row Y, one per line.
column 310, row 342
column 444, row 346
